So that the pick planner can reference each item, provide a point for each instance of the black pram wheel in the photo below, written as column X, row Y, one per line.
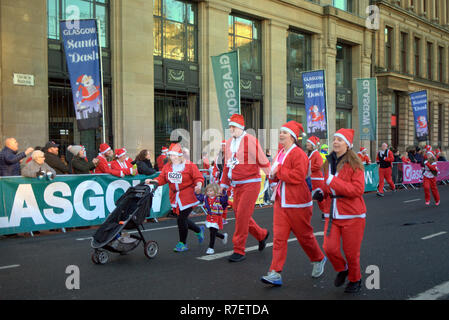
column 151, row 249
column 100, row 257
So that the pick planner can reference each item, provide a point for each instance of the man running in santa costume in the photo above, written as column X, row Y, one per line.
column 244, row 158
column 384, row 158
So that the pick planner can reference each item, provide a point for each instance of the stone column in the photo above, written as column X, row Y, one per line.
column 24, row 50
column 384, row 116
column 133, row 80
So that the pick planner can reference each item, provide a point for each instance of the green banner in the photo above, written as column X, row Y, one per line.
column 367, row 100
column 371, row 177
column 29, row 204
column 227, row 82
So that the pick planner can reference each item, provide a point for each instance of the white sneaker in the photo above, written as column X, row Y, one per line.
column 210, row 251
column 272, row 278
column 225, row 239
column 318, row 268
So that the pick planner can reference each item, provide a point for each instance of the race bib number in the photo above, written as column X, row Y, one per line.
column 175, row 177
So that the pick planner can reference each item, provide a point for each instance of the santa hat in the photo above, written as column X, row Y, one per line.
column 315, row 141
column 120, row 152
column 363, row 149
column 164, row 150
column 223, row 142
column 294, row 128
column 237, row 120
column 175, row 150
column 347, row 135
column 104, row 147
column 428, row 148
column 437, row 152
column 80, row 79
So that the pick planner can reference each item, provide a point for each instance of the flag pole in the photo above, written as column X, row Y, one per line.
column 101, row 74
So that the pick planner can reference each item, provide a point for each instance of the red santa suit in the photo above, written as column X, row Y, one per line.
column 244, row 158
column 363, row 157
column 160, row 161
column 104, row 166
column 343, row 192
column 125, row 166
column 315, row 164
column 293, row 202
column 430, row 181
column 384, row 159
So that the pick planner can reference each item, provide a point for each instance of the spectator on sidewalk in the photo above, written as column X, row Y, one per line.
column 80, row 164
column 143, row 162
column 10, row 158
column 51, row 151
column 37, row 164
column 121, row 163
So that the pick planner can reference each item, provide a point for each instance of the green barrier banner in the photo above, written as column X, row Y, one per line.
column 29, row 204
column 371, row 177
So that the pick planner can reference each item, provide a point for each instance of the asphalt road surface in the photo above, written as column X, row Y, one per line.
column 404, row 255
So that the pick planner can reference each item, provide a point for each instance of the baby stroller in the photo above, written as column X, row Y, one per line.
column 132, row 209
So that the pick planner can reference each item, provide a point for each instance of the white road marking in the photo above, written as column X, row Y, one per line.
column 434, row 293
column 413, row 200
column 434, row 235
column 10, row 267
column 249, row 249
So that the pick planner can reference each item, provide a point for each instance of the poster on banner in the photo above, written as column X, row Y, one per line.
column 315, row 101
column 82, row 51
column 226, row 70
column 367, row 101
column 419, row 106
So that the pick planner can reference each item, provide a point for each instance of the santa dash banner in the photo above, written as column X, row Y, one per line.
column 367, row 99
column 315, row 101
column 412, row 172
column 226, row 70
column 419, row 106
column 82, row 50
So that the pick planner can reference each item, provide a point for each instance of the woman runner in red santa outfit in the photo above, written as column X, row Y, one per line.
column 430, row 178
column 315, row 166
column 345, row 210
column 184, row 180
column 293, row 205
column 244, row 158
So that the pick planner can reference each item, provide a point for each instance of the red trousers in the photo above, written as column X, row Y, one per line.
column 350, row 233
column 297, row 220
column 385, row 173
column 430, row 184
column 245, row 197
column 319, row 184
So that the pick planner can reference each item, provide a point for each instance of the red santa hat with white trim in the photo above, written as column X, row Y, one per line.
column 80, row 79
column 347, row 135
column 237, row 120
column 164, row 150
column 104, row 147
column 120, row 152
column 315, row 141
column 362, row 149
column 294, row 128
column 175, row 150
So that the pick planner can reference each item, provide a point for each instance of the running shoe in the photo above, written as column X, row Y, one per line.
column 318, row 268
column 274, row 278
column 180, row 247
column 200, row 235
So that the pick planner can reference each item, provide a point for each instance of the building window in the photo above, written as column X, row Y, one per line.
column 389, row 48
column 343, row 66
column 429, row 60
column 245, row 35
column 298, row 53
column 416, row 50
column 297, row 112
column 440, row 64
column 86, row 9
column 404, row 37
column 175, row 30
column 343, row 119
column 346, row 5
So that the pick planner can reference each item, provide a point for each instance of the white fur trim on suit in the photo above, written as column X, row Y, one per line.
column 329, row 179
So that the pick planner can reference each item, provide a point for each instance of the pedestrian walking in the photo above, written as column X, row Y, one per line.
column 293, row 205
column 345, row 210
column 384, row 159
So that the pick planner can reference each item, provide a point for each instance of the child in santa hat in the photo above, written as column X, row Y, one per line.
column 184, row 181
column 345, row 210
column 430, row 178
column 292, row 205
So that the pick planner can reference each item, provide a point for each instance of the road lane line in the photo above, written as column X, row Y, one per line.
column 249, row 249
column 434, row 235
column 413, row 200
column 434, row 293
column 10, row 267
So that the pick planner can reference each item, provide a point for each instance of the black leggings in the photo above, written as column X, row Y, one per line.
column 214, row 233
column 184, row 224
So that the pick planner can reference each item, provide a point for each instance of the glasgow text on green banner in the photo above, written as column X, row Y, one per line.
column 367, row 101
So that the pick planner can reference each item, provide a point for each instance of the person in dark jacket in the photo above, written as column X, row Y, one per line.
column 10, row 159
column 80, row 164
column 51, row 151
column 143, row 161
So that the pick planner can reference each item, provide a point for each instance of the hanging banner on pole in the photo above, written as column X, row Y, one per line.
column 367, row 101
column 226, row 70
column 315, row 100
column 82, row 51
column 419, row 106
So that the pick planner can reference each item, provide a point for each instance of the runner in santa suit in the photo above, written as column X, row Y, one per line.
column 384, row 158
column 293, row 205
column 123, row 163
column 244, row 158
column 184, row 181
column 104, row 166
column 315, row 165
column 345, row 210
column 217, row 172
column 160, row 161
column 430, row 179
column 364, row 156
